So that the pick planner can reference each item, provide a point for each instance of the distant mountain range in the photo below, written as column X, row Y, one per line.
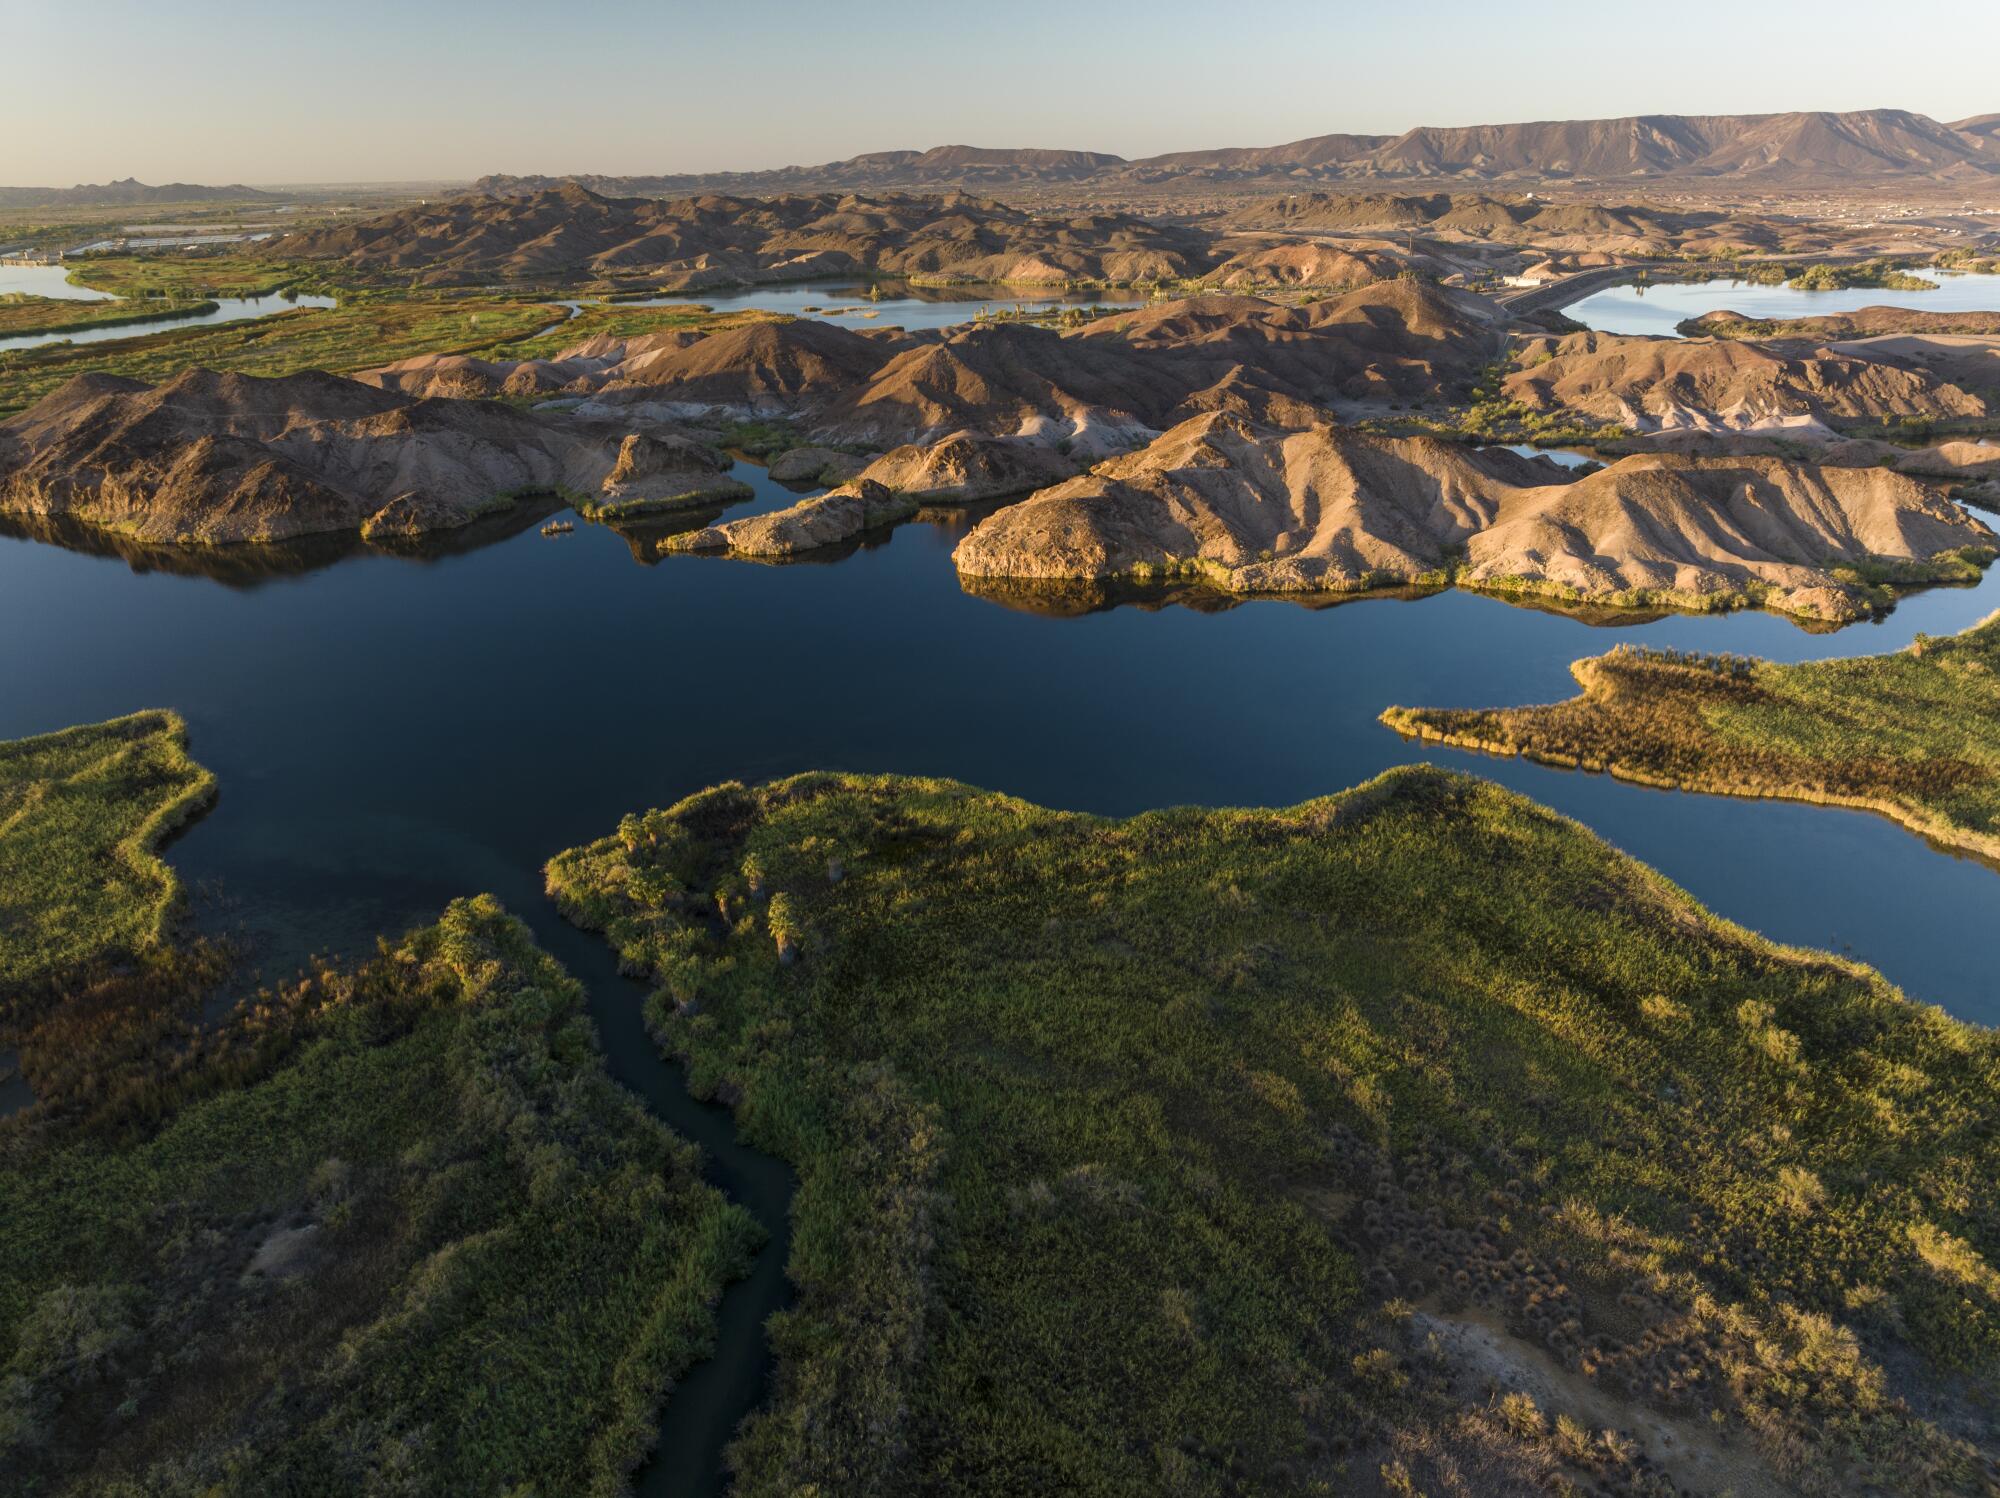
column 1806, row 148
column 129, row 192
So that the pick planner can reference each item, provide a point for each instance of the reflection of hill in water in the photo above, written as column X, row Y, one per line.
column 644, row 537
column 1073, row 599
column 251, row 566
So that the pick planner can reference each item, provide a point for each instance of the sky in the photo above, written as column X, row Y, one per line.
column 283, row 92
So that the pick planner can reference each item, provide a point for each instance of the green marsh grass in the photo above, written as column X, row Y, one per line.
column 82, row 815
column 397, row 1233
column 364, row 331
column 1158, row 1155
column 1908, row 734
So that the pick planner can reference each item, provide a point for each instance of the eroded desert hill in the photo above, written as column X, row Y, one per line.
column 571, row 233
column 1649, row 383
column 216, row 458
column 1251, row 510
column 1120, row 379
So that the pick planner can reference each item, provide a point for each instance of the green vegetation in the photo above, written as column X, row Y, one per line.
column 1909, row 734
column 1878, row 273
column 388, row 1231
column 82, row 815
column 367, row 329
column 1881, row 272
column 1872, row 588
column 1074, row 315
column 207, row 275
column 1712, row 325
column 400, row 1234
column 362, row 332
column 28, row 316
column 759, row 439
column 1490, row 419
column 1190, row 1153
column 1486, row 418
column 1968, row 261
column 709, row 494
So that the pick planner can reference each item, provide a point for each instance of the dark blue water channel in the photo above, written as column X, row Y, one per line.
column 391, row 732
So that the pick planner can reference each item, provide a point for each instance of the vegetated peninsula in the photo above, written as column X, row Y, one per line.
column 82, row 814
column 1910, row 734
column 318, row 1244
column 1412, row 1139
column 26, row 316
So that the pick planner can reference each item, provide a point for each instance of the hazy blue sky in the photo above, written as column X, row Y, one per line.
column 278, row 91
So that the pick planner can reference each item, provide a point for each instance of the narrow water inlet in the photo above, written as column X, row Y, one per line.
column 704, row 1409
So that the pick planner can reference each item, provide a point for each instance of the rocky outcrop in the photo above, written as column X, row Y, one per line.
column 759, row 369
column 1123, row 379
column 1312, row 263
column 412, row 514
column 963, row 469
column 966, row 468
column 820, row 521
column 656, row 474
column 1654, row 383
column 1704, row 532
column 1254, row 511
column 815, row 465
column 211, row 458
column 1251, row 510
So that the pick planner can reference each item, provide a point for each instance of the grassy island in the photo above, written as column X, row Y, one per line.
column 1410, row 1140
column 1881, row 274
column 387, row 1230
column 1910, row 735
column 181, row 275
column 28, row 317
column 82, row 815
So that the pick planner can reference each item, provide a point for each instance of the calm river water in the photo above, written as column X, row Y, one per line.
column 392, row 732
column 900, row 305
column 1662, row 306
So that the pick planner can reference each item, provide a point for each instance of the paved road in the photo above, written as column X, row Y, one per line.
column 1571, row 288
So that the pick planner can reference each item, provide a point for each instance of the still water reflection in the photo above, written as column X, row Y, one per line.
column 395, row 730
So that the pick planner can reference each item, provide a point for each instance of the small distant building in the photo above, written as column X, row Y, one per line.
column 1534, row 275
